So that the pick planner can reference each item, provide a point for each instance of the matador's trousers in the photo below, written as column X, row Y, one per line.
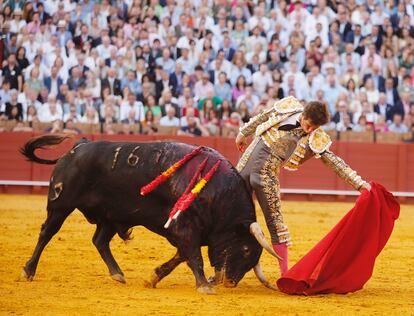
column 261, row 173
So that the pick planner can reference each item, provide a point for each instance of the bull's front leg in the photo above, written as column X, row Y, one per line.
column 163, row 270
column 195, row 262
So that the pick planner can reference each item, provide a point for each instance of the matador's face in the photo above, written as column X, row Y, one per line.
column 307, row 125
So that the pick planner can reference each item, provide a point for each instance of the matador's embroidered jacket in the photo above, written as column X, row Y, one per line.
column 294, row 147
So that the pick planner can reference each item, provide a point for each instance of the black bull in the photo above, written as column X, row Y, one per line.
column 103, row 179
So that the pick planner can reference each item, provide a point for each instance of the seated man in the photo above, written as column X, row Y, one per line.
column 191, row 129
column 286, row 135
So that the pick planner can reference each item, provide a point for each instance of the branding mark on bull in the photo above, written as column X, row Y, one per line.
column 117, row 150
column 132, row 158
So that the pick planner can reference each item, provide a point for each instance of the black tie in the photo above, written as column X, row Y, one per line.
column 288, row 127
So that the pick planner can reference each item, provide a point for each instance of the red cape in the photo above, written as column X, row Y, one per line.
column 343, row 261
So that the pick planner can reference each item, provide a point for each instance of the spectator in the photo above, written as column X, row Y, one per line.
column 189, row 113
column 34, row 83
column 131, row 82
column 239, row 88
column 112, row 82
column 90, row 116
column 149, row 125
column 362, row 125
column 86, row 52
column 234, row 122
column 21, row 59
column 222, row 89
column 13, row 110
column 225, row 111
column 203, row 87
column 371, row 92
column 345, row 124
column 166, row 62
column 31, row 115
column 76, row 80
column 191, row 129
column 132, row 104
column 70, row 128
column 170, row 119
column 342, row 112
column 244, row 112
column 332, row 91
column 50, row 111
column 261, row 80
column 397, row 125
column 383, row 108
column 72, row 115
column 57, row 127
column 250, row 99
column 12, row 73
column 53, row 82
column 381, row 125
column 150, row 105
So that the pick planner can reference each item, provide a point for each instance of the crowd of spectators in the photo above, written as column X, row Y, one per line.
column 205, row 65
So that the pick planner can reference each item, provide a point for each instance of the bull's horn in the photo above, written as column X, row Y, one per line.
column 257, row 232
column 259, row 274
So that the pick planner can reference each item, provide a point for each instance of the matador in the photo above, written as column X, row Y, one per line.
column 286, row 135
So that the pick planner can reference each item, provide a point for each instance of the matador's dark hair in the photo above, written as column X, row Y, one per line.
column 317, row 112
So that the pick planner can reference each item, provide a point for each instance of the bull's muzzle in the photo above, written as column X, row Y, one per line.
column 229, row 283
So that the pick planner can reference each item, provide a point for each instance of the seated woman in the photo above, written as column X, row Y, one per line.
column 150, row 104
column 150, row 124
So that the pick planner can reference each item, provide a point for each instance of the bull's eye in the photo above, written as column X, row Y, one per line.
column 246, row 251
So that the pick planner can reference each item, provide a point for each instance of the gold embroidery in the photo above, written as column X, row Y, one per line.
column 288, row 105
column 294, row 161
column 250, row 127
column 273, row 121
column 246, row 155
column 342, row 169
column 269, row 176
column 319, row 141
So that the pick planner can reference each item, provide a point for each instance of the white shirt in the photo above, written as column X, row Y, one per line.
column 167, row 121
column 261, row 81
column 104, row 52
column 138, row 107
column 16, row 26
column 291, row 120
column 45, row 115
column 254, row 21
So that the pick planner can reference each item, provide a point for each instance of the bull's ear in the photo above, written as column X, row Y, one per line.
column 242, row 228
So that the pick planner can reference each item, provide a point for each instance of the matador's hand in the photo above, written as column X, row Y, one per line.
column 241, row 142
column 365, row 186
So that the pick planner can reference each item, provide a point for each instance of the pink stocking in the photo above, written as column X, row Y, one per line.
column 282, row 251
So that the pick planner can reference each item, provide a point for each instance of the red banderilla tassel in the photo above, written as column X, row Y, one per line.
column 167, row 173
column 185, row 200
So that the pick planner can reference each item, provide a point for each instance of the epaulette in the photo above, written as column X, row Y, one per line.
column 319, row 141
column 288, row 105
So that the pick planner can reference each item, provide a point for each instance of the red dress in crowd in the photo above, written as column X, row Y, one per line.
column 343, row 261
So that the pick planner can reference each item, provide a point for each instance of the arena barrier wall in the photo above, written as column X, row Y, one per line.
column 392, row 165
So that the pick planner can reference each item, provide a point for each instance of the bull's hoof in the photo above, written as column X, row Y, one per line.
column 152, row 283
column 206, row 290
column 212, row 280
column 25, row 276
column 118, row 277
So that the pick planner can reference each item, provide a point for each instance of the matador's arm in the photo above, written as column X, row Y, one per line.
column 319, row 142
column 250, row 127
column 344, row 171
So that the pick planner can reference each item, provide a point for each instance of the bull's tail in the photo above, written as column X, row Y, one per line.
column 41, row 142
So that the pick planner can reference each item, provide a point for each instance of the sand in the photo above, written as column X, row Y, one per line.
column 73, row 280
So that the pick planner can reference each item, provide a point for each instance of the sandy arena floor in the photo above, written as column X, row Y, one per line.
column 73, row 280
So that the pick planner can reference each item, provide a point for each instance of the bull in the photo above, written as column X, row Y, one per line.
column 102, row 180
